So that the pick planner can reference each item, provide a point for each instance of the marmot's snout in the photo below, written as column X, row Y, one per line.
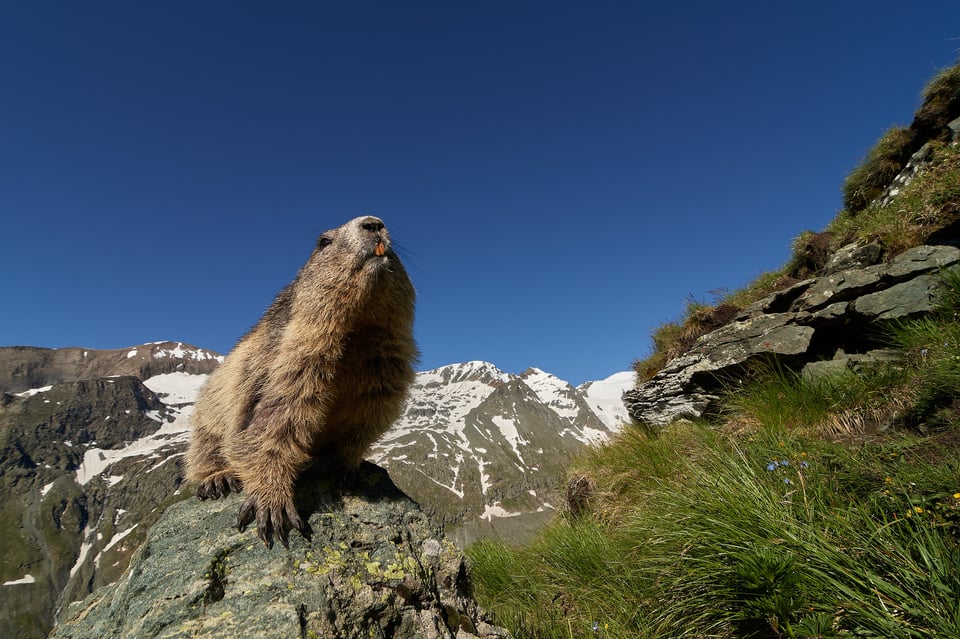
column 371, row 224
column 374, row 226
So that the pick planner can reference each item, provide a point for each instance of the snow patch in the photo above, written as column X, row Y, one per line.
column 453, row 485
column 132, row 353
column 605, row 398
column 176, row 388
column 113, row 542
column 162, row 461
column 26, row 579
column 179, row 352
column 484, row 476
column 554, row 392
column 46, row 489
column 508, row 428
column 98, row 460
column 34, row 391
column 496, row 510
column 84, row 549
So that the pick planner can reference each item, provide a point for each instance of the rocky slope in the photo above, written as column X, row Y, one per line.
column 86, row 466
column 821, row 324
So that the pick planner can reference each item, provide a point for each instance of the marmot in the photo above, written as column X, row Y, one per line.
column 321, row 376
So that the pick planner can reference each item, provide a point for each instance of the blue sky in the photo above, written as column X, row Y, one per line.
column 560, row 176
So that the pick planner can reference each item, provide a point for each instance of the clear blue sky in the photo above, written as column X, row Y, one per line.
column 561, row 176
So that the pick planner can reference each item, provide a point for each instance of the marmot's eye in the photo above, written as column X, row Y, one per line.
column 324, row 241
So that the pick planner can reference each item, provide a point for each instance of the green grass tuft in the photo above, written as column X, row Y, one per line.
column 884, row 161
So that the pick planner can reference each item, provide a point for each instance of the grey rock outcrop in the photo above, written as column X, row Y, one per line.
column 374, row 567
column 840, row 314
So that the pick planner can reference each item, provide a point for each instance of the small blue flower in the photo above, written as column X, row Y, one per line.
column 804, row 464
column 772, row 466
column 596, row 626
column 787, row 481
column 785, row 462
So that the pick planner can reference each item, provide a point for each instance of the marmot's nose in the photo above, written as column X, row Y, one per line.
column 371, row 224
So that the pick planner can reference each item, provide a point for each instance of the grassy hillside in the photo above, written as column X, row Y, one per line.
column 929, row 205
column 826, row 508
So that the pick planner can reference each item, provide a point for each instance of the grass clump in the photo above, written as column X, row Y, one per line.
column 846, row 402
column 925, row 206
column 672, row 339
column 774, row 536
column 940, row 105
column 882, row 164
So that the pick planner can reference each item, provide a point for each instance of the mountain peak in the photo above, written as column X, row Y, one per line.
column 473, row 371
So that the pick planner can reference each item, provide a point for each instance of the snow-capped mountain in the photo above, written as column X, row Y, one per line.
column 484, row 451
column 92, row 446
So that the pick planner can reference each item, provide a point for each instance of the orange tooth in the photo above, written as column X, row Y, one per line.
column 380, row 250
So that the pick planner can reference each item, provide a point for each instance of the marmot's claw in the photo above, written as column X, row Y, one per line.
column 219, row 486
column 247, row 513
column 234, row 484
column 273, row 522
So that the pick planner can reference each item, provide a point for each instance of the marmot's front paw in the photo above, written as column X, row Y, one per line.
column 219, row 485
column 275, row 518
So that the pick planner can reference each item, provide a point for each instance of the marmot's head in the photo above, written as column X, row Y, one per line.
column 361, row 242
column 355, row 262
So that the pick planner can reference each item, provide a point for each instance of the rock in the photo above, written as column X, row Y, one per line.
column 687, row 387
column 658, row 404
column 853, row 256
column 801, row 326
column 900, row 300
column 375, row 566
column 914, row 165
column 842, row 362
column 954, row 127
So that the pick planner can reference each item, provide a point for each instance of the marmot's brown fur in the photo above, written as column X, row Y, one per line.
column 321, row 376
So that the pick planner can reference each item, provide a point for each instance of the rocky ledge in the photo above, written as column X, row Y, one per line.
column 375, row 566
column 816, row 325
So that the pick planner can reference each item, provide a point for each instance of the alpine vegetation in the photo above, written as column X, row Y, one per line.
column 806, row 482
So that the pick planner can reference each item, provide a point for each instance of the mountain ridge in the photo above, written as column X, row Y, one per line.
column 89, row 464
